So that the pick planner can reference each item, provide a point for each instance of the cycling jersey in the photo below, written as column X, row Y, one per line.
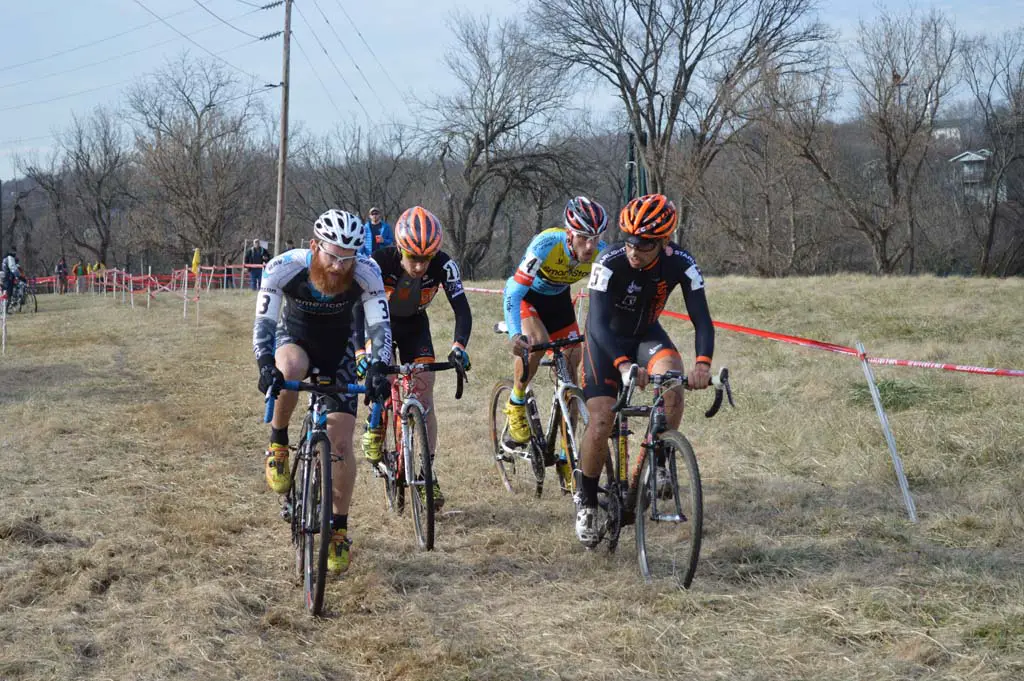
column 547, row 268
column 317, row 320
column 625, row 303
column 409, row 297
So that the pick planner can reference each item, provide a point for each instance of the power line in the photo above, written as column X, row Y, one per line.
column 34, row 79
column 331, row 59
column 351, row 58
column 168, row 25
column 317, row 74
column 226, row 23
column 109, row 85
column 374, row 54
column 95, row 42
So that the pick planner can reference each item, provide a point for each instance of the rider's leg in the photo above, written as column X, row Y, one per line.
column 534, row 328
column 659, row 354
column 293, row 362
column 343, row 472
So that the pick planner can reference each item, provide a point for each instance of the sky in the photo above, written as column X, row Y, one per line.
column 60, row 58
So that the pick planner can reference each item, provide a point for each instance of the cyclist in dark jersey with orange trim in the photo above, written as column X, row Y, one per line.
column 629, row 286
column 412, row 272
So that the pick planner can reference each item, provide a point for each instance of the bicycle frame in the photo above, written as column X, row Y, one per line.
column 402, row 395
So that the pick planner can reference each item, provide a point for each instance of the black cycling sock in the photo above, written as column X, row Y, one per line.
column 588, row 488
column 279, row 436
column 339, row 522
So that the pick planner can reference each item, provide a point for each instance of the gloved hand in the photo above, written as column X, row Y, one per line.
column 362, row 364
column 459, row 355
column 270, row 375
column 377, row 387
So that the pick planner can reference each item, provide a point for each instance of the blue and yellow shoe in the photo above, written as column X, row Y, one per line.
column 338, row 552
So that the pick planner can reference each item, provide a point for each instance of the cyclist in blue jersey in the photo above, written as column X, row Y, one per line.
column 538, row 303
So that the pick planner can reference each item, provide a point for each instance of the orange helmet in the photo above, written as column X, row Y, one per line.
column 418, row 232
column 648, row 217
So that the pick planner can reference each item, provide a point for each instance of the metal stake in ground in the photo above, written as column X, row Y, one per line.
column 908, row 500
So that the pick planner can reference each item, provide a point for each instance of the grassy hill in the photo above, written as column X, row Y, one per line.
column 138, row 541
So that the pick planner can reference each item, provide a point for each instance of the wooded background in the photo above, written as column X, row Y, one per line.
column 785, row 152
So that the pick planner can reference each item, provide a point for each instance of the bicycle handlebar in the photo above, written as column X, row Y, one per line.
column 525, row 353
column 299, row 386
column 416, row 367
column 720, row 381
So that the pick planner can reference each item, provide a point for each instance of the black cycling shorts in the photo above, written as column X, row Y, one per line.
column 600, row 376
column 330, row 358
column 411, row 336
column 555, row 312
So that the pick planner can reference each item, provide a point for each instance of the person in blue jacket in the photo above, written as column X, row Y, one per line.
column 378, row 233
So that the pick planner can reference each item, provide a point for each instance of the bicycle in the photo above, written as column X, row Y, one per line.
column 308, row 501
column 23, row 297
column 406, row 461
column 519, row 464
column 655, row 480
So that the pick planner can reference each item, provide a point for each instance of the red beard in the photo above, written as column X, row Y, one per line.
column 329, row 283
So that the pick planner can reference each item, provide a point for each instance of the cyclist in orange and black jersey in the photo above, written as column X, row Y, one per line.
column 629, row 286
column 412, row 272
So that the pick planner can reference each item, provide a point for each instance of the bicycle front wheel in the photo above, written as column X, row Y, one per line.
column 419, row 467
column 294, row 499
column 30, row 302
column 513, row 461
column 316, row 506
column 570, row 433
column 669, row 511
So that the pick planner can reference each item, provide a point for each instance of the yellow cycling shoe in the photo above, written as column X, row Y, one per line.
column 338, row 552
column 279, row 477
column 518, row 423
column 371, row 445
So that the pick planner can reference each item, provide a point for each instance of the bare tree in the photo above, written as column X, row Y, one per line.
column 678, row 64
column 495, row 132
column 903, row 69
column 994, row 70
column 200, row 168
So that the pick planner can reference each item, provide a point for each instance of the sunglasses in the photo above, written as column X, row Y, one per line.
column 417, row 258
column 336, row 259
column 645, row 246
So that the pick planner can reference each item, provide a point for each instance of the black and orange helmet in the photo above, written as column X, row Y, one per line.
column 418, row 232
column 585, row 217
column 648, row 217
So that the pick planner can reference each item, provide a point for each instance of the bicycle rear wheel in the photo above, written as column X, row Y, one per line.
column 570, row 433
column 513, row 461
column 419, row 466
column 609, row 500
column 316, row 506
column 669, row 526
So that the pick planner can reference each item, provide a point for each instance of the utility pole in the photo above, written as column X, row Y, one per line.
column 282, row 153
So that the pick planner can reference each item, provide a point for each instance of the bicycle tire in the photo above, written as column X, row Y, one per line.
column 418, row 462
column 32, row 301
column 609, row 499
column 300, row 470
column 389, row 458
column 669, row 545
column 317, row 532
column 571, row 437
column 514, row 467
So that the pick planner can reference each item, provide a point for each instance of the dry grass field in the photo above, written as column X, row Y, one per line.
column 138, row 541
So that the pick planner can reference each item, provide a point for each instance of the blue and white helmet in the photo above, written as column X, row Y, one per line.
column 340, row 228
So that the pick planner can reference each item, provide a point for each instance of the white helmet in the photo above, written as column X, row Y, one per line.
column 340, row 228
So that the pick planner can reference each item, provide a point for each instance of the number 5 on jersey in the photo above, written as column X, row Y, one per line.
column 599, row 278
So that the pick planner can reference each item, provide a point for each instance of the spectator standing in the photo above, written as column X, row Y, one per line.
column 254, row 256
column 378, row 233
column 79, row 272
column 61, row 270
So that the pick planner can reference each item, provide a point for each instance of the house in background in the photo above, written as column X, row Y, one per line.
column 974, row 176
